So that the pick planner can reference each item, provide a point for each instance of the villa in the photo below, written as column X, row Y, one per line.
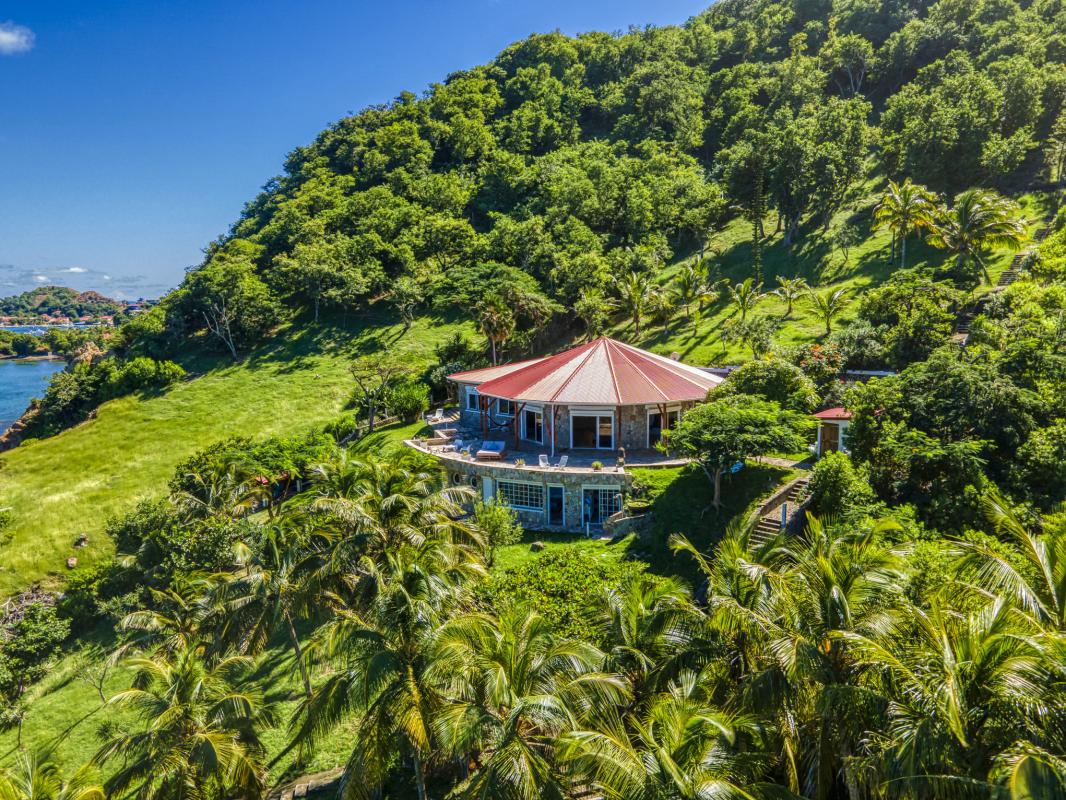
column 553, row 436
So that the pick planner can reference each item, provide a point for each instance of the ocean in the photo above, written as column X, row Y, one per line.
column 19, row 382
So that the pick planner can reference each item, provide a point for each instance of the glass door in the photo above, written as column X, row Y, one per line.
column 556, row 506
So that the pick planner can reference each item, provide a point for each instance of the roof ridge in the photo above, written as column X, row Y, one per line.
column 587, row 355
column 624, row 352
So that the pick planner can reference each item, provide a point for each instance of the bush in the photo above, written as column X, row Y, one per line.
column 408, row 400
column 104, row 591
column 773, row 379
column 499, row 523
column 28, row 644
column 838, row 489
column 560, row 583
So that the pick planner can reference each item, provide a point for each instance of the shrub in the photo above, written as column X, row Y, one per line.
column 560, row 583
column 29, row 643
column 773, row 379
column 99, row 592
column 408, row 400
column 499, row 523
column 838, row 489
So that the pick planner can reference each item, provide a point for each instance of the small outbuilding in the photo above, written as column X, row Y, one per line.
column 832, row 430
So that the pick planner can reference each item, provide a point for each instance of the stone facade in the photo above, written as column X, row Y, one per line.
column 484, row 479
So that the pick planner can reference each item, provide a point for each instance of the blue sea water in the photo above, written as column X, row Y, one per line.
column 19, row 382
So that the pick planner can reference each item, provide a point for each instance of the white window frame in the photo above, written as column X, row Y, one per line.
column 597, row 415
column 651, row 410
column 600, row 488
column 472, row 399
column 532, row 484
column 525, row 432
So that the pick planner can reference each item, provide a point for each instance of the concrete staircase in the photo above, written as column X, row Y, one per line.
column 785, row 505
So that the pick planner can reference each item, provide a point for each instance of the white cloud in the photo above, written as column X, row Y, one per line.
column 74, row 269
column 15, row 39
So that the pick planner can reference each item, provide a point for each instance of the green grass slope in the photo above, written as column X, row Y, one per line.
column 817, row 261
column 60, row 487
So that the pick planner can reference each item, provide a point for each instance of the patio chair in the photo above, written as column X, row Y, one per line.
column 453, row 447
column 436, row 416
column 542, row 460
column 562, row 462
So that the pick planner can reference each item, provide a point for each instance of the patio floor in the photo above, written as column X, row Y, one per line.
column 578, row 461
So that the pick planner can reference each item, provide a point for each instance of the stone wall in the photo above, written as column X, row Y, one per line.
column 573, row 482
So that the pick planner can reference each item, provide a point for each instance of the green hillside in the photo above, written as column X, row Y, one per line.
column 60, row 487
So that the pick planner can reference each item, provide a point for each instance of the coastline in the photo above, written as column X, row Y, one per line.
column 48, row 357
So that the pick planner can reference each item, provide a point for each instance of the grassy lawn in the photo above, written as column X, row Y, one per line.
column 681, row 503
column 60, row 487
column 515, row 555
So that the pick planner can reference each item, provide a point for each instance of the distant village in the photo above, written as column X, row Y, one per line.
column 60, row 307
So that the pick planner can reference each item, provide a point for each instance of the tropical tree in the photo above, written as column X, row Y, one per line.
column 687, row 286
column 1035, row 577
column 828, row 305
column 382, row 644
column 979, row 221
column 366, row 506
column 905, row 208
column 198, row 739
column 790, row 290
column 679, row 747
column 720, row 433
column 495, row 319
column 961, row 689
column 36, row 777
column 633, row 290
column 514, row 688
column 267, row 593
column 745, row 296
column 593, row 309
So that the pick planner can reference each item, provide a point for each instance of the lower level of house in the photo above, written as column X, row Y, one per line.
column 563, row 500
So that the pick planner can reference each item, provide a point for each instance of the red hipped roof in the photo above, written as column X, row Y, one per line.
column 601, row 372
column 834, row 413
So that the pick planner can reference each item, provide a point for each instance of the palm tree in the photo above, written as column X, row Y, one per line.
column 746, row 296
column 646, row 623
column 1038, row 582
column 266, row 593
column 382, row 646
column 174, row 621
column 514, row 688
column 366, row 506
column 790, row 290
column 905, row 208
column 35, row 777
column 679, row 748
column 495, row 319
column 199, row 738
column 633, row 297
column 979, row 221
column 661, row 307
column 958, row 686
column 222, row 491
column 828, row 305
column 687, row 287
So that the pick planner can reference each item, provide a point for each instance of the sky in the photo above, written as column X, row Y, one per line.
column 132, row 133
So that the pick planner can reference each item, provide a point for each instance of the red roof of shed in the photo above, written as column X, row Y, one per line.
column 834, row 413
column 601, row 372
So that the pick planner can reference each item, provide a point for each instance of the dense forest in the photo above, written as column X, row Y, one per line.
column 299, row 594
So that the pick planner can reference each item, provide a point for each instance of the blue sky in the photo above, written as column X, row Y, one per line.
column 131, row 133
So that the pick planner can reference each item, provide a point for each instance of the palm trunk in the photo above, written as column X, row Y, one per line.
column 299, row 654
column 903, row 253
column 420, row 775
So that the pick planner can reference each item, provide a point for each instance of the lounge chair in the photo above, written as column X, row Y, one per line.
column 436, row 416
column 562, row 462
column 542, row 460
column 453, row 447
column 492, row 450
